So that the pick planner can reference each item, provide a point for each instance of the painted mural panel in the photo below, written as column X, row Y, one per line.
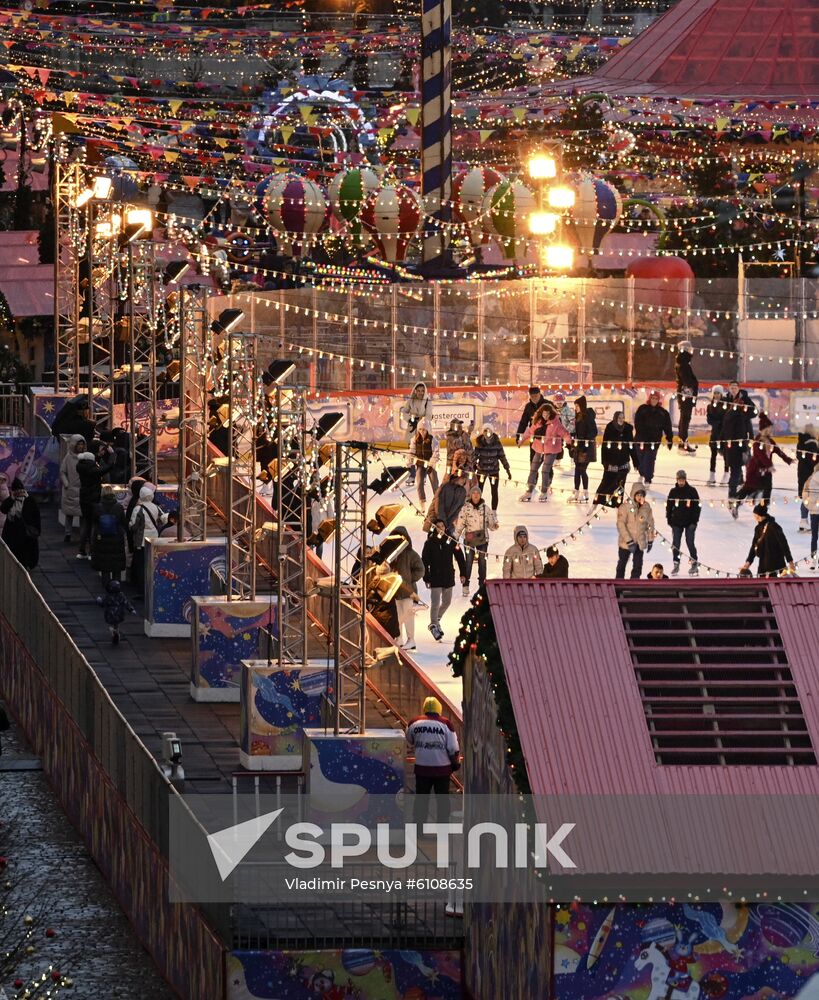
column 176, row 573
column 36, row 461
column 704, row 951
column 344, row 974
column 225, row 633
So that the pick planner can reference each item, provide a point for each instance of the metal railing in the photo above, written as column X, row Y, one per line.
column 108, row 782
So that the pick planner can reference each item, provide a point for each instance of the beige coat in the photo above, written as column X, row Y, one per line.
column 635, row 523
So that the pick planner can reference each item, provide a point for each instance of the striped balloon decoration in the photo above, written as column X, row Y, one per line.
column 597, row 208
column 349, row 189
column 295, row 207
column 468, row 192
column 391, row 216
column 506, row 209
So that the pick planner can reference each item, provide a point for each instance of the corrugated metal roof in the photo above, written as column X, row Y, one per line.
column 576, row 701
column 29, row 289
column 752, row 50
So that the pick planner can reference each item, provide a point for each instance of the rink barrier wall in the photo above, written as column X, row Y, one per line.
column 107, row 782
column 374, row 417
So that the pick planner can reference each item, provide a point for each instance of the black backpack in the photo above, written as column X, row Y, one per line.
column 108, row 526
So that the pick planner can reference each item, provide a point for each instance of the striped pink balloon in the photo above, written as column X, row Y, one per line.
column 295, row 206
column 391, row 216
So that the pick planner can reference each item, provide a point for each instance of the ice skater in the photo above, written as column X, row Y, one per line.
column 114, row 605
column 688, row 388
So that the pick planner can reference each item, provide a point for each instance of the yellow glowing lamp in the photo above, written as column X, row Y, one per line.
column 542, row 166
column 542, row 223
column 559, row 257
column 561, row 197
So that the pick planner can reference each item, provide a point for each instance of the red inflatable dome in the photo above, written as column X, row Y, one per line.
column 664, row 282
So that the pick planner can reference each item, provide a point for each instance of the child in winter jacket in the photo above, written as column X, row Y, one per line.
column 760, row 468
column 522, row 561
column 635, row 532
column 114, row 605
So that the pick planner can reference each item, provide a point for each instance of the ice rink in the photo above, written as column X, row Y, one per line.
column 589, row 542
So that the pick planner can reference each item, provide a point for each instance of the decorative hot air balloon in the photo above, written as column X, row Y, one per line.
column 295, row 207
column 596, row 210
column 468, row 192
column 391, row 216
column 662, row 282
column 349, row 189
column 506, row 209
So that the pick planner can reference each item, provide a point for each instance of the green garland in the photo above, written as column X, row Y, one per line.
column 477, row 635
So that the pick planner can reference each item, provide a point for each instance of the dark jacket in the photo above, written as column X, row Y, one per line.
column 652, row 422
column 585, row 432
column 739, row 412
column 687, row 383
column 115, row 607
column 679, row 512
column 770, row 547
column 618, row 445
column 439, row 555
column 528, row 414
column 21, row 534
column 715, row 414
column 91, row 476
column 451, row 497
column 807, row 455
column 560, row 570
column 409, row 563
column 490, row 455
column 760, row 465
column 108, row 550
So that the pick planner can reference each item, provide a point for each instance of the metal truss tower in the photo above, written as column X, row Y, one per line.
column 195, row 369
column 145, row 302
column 242, row 421
column 101, row 297
column 70, row 246
column 291, row 522
column 349, row 597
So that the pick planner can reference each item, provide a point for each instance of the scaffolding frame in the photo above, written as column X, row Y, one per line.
column 291, row 525
column 195, row 368
column 144, row 290
column 242, row 423
column 100, row 305
column 70, row 243
column 349, row 588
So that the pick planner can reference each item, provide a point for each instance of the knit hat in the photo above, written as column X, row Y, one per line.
column 681, row 474
column 146, row 493
column 423, row 425
column 488, row 429
column 761, row 509
column 534, row 389
column 87, row 456
column 765, row 421
column 718, row 390
column 654, row 394
column 432, row 706
column 559, row 397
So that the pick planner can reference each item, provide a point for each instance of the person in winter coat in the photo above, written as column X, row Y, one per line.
column 91, row 472
column 585, row 448
column 447, row 503
column 425, row 451
column 434, row 743
column 416, row 408
column 810, row 502
column 556, row 566
column 635, row 532
column 682, row 511
column 737, row 431
column 688, row 388
column 533, row 404
column 457, row 439
column 652, row 422
column 114, row 605
column 21, row 530
column 5, row 493
column 120, row 459
column 70, row 479
column 411, row 569
column 489, row 457
column 438, row 556
column 760, row 468
column 147, row 520
column 715, row 414
column 616, row 454
column 108, row 536
column 769, row 546
column 807, row 455
column 474, row 523
column 73, row 419
column 522, row 561
column 548, row 435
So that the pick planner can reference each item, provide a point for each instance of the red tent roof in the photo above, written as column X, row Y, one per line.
column 763, row 50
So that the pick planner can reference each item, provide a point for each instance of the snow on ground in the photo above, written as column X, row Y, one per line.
column 722, row 542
